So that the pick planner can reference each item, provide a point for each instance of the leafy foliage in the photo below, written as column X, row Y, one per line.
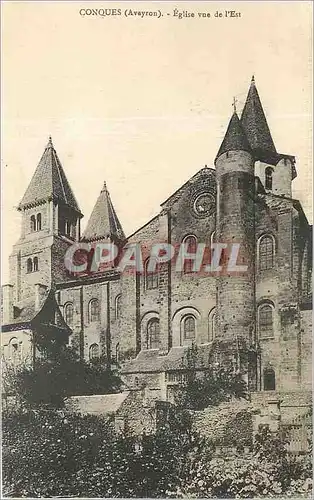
column 208, row 386
column 82, row 456
column 62, row 374
column 72, row 455
column 266, row 473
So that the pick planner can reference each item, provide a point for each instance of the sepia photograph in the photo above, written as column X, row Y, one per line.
column 156, row 249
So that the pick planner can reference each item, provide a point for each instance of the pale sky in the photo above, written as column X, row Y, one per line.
column 144, row 103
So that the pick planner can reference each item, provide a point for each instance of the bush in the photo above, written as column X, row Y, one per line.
column 269, row 472
column 208, row 385
column 49, row 454
column 59, row 375
column 82, row 456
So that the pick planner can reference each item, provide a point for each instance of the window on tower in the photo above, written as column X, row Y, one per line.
column 33, row 223
column 29, row 265
column 38, row 222
column 212, row 325
column 15, row 349
column 269, row 178
column 266, row 250
column 35, row 264
column 118, row 306
column 67, row 228
column 117, row 352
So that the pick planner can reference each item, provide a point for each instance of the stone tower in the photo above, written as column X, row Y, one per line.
column 235, row 225
column 50, row 223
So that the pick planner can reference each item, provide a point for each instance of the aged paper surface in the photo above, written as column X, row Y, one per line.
column 156, row 249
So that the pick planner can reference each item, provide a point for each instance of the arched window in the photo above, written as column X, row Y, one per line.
column 29, row 265
column 268, row 178
column 153, row 334
column 94, row 352
column 67, row 228
column 38, row 222
column 266, row 249
column 150, row 277
column 190, row 247
column 212, row 325
column 35, row 264
column 68, row 313
column 117, row 352
column 212, row 238
column 269, row 379
column 14, row 349
column 33, row 223
column 189, row 327
column 93, row 310
column 118, row 306
column 265, row 321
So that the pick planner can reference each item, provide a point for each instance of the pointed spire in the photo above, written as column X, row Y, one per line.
column 235, row 138
column 255, row 124
column 49, row 182
column 103, row 222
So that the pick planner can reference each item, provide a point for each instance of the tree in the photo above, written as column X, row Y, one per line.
column 208, row 386
column 61, row 374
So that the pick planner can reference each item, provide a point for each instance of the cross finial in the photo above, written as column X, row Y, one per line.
column 253, row 79
column 234, row 104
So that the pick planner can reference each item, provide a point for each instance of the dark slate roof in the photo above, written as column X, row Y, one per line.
column 254, row 122
column 49, row 182
column 235, row 138
column 48, row 313
column 103, row 222
column 24, row 311
column 149, row 361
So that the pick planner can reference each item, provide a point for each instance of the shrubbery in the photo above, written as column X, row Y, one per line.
column 48, row 453
column 208, row 385
column 270, row 471
column 51, row 454
column 58, row 375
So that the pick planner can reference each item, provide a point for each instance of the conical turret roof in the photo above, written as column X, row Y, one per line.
column 235, row 138
column 103, row 222
column 254, row 122
column 49, row 182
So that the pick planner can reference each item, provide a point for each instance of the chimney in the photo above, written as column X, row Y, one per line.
column 40, row 295
column 7, row 297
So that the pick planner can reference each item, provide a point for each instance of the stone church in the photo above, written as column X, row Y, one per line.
column 146, row 321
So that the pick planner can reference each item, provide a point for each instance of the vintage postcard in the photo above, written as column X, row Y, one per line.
column 156, row 249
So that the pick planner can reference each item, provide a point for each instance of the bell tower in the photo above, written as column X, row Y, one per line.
column 276, row 171
column 50, row 223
